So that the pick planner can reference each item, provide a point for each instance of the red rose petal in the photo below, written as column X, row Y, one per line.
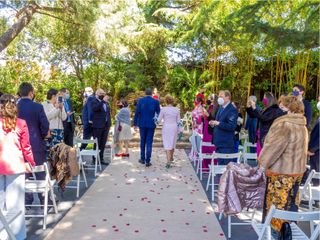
column 118, row 196
column 93, row 226
column 158, row 209
column 120, row 215
column 162, row 220
column 207, row 212
column 114, row 226
column 221, row 234
column 125, row 209
column 187, row 223
column 128, row 224
column 205, row 230
column 104, row 220
column 136, row 231
column 164, row 230
column 116, row 230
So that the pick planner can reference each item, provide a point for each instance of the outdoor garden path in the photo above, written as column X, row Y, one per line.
column 129, row 201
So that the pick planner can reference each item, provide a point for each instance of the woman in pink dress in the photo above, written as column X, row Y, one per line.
column 198, row 115
column 171, row 117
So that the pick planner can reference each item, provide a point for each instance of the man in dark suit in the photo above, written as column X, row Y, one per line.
column 38, row 126
column 298, row 91
column 87, row 115
column 69, row 123
column 146, row 110
column 101, row 120
column 313, row 149
column 224, row 126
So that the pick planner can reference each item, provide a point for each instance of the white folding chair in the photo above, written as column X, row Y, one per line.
column 310, row 193
column 195, row 147
column 264, row 230
column 42, row 186
column 186, row 121
column 203, row 156
column 247, row 154
column 110, row 145
column 82, row 172
column 90, row 153
column 218, row 169
column 6, row 218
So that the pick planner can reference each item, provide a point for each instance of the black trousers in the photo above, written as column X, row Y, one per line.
column 68, row 132
column 87, row 134
column 102, row 135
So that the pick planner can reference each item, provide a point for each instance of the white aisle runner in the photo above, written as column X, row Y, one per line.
column 131, row 202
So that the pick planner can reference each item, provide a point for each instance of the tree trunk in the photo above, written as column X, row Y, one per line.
column 25, row 16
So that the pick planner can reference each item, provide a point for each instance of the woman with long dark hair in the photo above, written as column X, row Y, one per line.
column 15, row 149
column 270, row 112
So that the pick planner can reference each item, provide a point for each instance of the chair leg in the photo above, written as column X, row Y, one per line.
column 78, row 185
column 53, row 198
column 84, row 175
column 209, row 178
column 200, row 169
column 229, row 226
column 45, row 209
column 212, row 187
column 99, row 163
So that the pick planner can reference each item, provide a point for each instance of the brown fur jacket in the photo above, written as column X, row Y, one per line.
column 285, row 147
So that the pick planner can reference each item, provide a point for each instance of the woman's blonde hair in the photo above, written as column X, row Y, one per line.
column 169, row 99
column 9, row 112
column 292, row 103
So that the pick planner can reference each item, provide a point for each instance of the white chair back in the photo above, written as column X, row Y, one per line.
column 227, row 156
column 290, row 216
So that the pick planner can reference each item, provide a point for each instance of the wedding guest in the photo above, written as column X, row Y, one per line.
column 284, row 157
column 124, row 128
column 15, row 149
column 56, row 114
column 171, row 117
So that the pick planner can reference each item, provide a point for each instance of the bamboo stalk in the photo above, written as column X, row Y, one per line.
column 280, row 80
column 271, row 73
column 277, row 70
column 298, row 64
column 302, row 61
column 214, row 68
column 305, row 71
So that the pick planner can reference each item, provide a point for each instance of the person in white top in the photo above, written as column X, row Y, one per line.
column 55, row 113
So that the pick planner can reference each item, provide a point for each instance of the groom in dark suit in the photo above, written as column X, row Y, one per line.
column 146, row 110
column 224, row 125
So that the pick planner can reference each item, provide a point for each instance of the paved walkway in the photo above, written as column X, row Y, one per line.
column 129, row 201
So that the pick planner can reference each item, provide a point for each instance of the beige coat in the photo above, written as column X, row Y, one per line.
column 286, row 145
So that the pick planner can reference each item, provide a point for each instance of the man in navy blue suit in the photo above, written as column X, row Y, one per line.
column 146, row 110
column 38, row 126
column 101, row 120
column 87, row 115
column 224, row 125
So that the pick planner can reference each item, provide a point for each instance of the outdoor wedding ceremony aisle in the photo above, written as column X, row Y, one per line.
column 129, row 201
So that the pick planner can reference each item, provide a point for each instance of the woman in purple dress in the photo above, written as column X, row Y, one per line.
column 171, row 117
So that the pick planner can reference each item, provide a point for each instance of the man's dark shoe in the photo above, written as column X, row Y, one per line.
column 105, row 163
column 148, row 164
column 141, row 161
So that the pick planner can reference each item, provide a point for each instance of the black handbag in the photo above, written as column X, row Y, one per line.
column 285, row 232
